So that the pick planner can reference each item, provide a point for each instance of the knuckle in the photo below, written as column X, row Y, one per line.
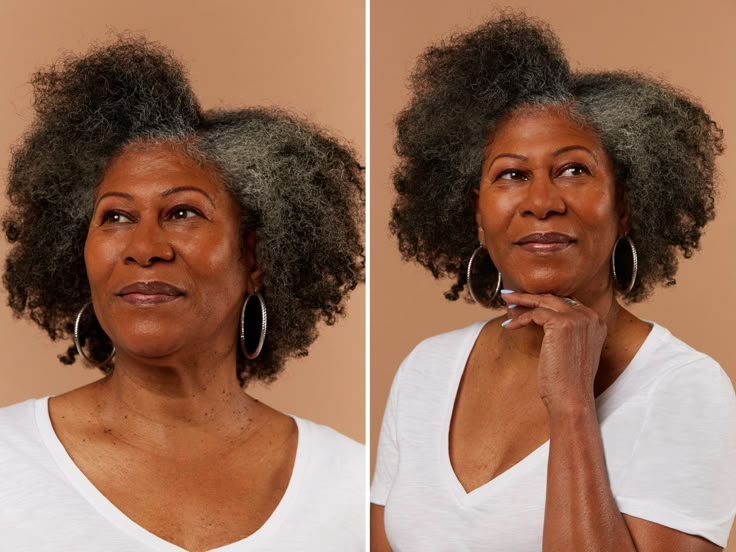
column 567, row 322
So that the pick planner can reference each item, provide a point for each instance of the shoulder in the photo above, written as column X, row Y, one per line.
column 434, row 353
column 24, row 459
column 332, row 455
column 326, row 497
column 453, row 339
column 332, row 474
column 673, row 352
column 672, row 451
column 18, row 424
column 682, row 388
column 675, row 365
column 434, row 362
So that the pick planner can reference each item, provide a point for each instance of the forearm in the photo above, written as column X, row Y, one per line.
column 379, row 541
column 580, row 513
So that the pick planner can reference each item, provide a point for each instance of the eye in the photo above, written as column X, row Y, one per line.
column 511, row 174
column 574, row 170
column 183, row 212
column 115, row 217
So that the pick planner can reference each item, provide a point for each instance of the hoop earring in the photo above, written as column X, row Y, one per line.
column 264, row 323
column 78, row 345
column 633, row 264
column 488, row 303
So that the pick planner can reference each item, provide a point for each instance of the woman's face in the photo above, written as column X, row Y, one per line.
column 547, row 208
column 164, row 258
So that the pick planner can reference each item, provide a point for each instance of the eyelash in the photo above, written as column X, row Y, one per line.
column 510, row 172
column 180, row 208
column 576, row 166
column 108, row 215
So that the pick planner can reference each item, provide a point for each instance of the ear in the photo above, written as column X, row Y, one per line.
column 622, row 211
column 478, row 220
column 254, row 275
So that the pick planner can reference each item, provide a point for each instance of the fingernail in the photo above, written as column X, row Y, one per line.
column 506, row 322
column 506, row 291
column 511, row 306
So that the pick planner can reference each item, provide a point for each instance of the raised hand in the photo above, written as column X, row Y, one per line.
column 571, row 347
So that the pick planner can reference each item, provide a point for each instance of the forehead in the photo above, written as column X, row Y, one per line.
column 542, row 128
column 143, row 168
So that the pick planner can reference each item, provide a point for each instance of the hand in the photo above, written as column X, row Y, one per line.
column 571, row 347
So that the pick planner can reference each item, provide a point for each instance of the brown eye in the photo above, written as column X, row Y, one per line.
column 574, row 170
column 183, row 212
column 115, row 217
column 511, row 174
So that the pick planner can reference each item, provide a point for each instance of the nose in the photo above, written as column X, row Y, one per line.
column 542, row 198
column 148, row 244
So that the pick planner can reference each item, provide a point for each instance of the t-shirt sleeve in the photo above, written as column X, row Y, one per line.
column 387, row 457
column 682, row 471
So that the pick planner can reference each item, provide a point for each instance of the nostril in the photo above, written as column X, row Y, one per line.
column 542, row 203
column 145, row 253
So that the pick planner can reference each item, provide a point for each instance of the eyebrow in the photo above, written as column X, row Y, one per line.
column 188, row 188
column 512, row 155
column 554, row 153
column 166, row 193
column 113, row 194
column 575, row 147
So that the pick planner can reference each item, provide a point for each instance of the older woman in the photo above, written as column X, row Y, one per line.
column 186, row 253
column 567, row 423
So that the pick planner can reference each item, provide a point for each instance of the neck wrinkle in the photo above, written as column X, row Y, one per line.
column 168, row 405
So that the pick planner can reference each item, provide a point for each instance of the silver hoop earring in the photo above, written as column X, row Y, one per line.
column 264, row 323
column 488, row 303
column 78, row 345
column 631, row 264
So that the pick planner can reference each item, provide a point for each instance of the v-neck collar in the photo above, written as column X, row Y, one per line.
column 109, row 511
column 604, row 406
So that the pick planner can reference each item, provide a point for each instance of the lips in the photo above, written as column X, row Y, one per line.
column 545, row 242
column 143, row 293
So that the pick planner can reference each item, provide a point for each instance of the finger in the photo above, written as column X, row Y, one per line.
column 532, row 301
column 513, row 310
column 538, row 316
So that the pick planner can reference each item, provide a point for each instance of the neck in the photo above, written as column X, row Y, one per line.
column 166, row 401
column 625, row 334
column 527, row 341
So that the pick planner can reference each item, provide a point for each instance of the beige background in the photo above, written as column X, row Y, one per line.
column 307, row 56
column 692, row 48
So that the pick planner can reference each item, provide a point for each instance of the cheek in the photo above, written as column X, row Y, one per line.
column 222, row 258
column 494, row 212
column 217, row 260
column 601, row 215
column 99, row 258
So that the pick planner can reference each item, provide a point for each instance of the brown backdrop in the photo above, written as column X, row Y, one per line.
column 691, row 47
column 306, row 56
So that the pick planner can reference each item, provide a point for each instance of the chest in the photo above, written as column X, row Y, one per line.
column 196, row 501
column 481, row 487
column 497, row 419
column 491, row 432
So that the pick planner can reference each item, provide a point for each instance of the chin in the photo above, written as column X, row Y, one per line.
column 149, row 349
column 559, row 286
column 559, row 292
column 149, row 340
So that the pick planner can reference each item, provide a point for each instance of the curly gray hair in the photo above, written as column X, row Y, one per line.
column 299, row 189
column 663, row 145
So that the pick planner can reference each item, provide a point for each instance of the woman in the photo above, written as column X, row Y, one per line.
column 186, row 253
column 567, row 423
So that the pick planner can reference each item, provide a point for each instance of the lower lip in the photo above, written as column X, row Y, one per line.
column 148, row 299
column 545, row 247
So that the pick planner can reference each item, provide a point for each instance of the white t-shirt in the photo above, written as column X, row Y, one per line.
column 47, row 504
column 669, row 435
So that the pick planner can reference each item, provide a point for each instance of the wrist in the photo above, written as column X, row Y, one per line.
column 571, row 409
